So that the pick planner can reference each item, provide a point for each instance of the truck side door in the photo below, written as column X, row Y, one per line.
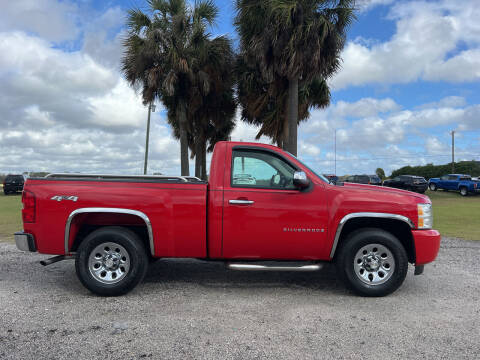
column 443, row 182
column 452, row 183
column 264, row 215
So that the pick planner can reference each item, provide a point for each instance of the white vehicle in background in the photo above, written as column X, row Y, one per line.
column 244, row 179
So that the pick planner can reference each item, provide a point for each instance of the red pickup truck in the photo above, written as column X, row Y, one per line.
column 262, row 209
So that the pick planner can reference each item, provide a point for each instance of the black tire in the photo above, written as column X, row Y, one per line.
column 432, row 187
column 361, row 239
column 463, row 191
column 128, row 242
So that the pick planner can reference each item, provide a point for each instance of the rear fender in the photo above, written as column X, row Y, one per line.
column 137, row 217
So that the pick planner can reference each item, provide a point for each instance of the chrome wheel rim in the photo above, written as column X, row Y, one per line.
column 463, row 191
column 374, row 264
column 432, row 187
column 109, row 263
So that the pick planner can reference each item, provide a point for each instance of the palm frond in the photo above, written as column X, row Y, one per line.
column 137, row 20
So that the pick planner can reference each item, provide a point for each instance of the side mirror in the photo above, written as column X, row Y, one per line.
column 300, row 180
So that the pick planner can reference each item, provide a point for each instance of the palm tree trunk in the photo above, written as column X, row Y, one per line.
column 292, row 115
column 285, row 135
column 182, row 122
column 204, row 161
column 198, row 157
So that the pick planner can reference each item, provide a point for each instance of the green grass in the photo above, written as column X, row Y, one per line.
column 454, row 215
column 10, row 215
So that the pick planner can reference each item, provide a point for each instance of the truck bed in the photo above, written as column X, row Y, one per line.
column 168, row 203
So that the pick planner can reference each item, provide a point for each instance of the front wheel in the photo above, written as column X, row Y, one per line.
column 463, row 191
column 111, row 261
column 433, row 187
column 372, row 262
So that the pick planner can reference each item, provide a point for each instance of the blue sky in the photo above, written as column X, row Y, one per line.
column 410, row 75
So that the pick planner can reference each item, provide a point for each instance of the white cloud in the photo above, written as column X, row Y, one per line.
column 449, row 101
column 365, row 107
column 102, row 40
column 426, row 45
column 387, row 136
column 434, row 146
column 308, row 149
column 365, row 5
column 49, row 19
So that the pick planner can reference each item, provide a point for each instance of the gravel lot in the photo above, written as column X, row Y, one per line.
column 190, row 309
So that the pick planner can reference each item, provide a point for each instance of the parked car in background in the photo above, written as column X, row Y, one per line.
column 332, row 178
column 364, row 179
column 456, row 182
column 408, row 182
column 13, row 184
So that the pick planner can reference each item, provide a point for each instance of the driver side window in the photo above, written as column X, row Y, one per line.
column 259, row 169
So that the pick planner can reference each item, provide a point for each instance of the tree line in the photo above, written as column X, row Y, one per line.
column 287, row 51
column 430, row 171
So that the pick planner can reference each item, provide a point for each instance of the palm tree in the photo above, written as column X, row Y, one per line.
column 264, row 104
column 294, row 42
column 210, row 114
column 163, row 54
column 215, row 116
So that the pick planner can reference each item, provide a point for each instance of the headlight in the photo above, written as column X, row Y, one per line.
column 425, row 216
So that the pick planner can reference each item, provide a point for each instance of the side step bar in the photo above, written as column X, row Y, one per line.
column 55, row 259
column 255, row 267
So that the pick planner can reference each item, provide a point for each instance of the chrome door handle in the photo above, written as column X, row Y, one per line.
column 241, row 202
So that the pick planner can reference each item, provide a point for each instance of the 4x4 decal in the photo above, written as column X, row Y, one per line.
column 64, row 197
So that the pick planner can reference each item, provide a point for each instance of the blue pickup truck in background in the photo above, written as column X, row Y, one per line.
column 456, row 182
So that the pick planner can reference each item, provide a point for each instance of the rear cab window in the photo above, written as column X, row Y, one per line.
column 14, row 178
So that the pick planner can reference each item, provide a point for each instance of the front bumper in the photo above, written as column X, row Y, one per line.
column 421, row 188
column 427, row 244
column 25, row 242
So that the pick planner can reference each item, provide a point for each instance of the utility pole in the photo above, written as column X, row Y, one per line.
column 335, row 146
column 453, row 151
column 151, row 107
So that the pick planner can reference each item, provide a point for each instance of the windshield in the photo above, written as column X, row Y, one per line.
column 320, row 176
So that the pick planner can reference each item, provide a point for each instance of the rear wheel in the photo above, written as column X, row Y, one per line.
column 372, row 262
column 463, row 191
column 433, row 187
column 111, row 261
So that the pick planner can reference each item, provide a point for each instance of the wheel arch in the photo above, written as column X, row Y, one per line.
column 140, row 216
column 398, row 225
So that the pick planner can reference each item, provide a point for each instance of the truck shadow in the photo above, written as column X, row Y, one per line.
column 216, row 275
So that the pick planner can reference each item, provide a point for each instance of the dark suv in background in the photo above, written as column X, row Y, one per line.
column 364, row 179
column 408, row 182
column 13, row 183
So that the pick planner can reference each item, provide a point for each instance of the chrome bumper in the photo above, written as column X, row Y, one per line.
column 25, row 242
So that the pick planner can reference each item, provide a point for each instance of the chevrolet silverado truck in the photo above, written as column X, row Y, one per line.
column 456, row 182
column 284, row 218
